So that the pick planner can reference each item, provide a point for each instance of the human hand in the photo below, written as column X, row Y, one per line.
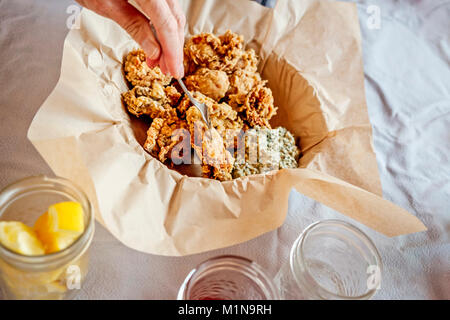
column 168, row 20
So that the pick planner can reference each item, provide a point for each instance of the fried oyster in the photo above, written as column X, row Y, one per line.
column 163, row 135
column 138, row 73
column 212, row 83
column 154, row 102
column 205, row 50
column 223, row 75
column 217, row 161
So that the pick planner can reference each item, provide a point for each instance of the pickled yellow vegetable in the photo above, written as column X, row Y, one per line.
column 60, row 226
column 20, row 238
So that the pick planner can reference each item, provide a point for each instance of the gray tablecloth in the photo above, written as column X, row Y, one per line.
column 408, row 91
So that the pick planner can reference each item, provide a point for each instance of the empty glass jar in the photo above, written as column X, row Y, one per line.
column 331, row 259
column 228, row 278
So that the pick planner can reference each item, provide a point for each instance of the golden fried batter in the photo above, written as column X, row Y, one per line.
column 163, row 135
column 221, row 115
column 172, row 95
column 151, row 94
column 259, row 106
column 212, row 83
column 216, row 53
column 151, row 102
column 230, row 50
column 201, row 51
column 241, row 83
column 151, row 144
column 169, row 136
column 138, row 73
column 248, row 61
column 209, row 146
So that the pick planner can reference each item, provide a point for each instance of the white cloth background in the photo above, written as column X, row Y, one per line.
column 407, row 71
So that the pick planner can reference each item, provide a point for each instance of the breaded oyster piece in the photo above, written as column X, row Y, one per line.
column 152, row 94
column 163, row 135
column 216, row 53
column 212, row 83
column 259, row 106
column 201, row 51
column 241, row 83
column 138, row 73
column 231, row 50
column 248, row 61
column 154, row 102
column 221, row 115
column 209, row 147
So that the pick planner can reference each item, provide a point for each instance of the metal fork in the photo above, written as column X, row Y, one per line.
column 200, row 106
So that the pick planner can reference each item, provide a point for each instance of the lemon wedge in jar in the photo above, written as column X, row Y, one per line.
column 20, row 238
column 60, row 226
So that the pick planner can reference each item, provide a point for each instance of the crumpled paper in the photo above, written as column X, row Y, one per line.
column 311, row 55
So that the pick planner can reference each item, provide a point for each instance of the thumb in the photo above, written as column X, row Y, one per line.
column 140, row 30
column 137, row 26
column 130, row 19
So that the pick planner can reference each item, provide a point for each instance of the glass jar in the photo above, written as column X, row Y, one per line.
column 228, row 278
column 331, row 260
column 51, row 276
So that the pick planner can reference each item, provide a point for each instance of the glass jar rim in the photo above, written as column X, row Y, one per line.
column 249, row 268
column 74, row 250
column 297, row 249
